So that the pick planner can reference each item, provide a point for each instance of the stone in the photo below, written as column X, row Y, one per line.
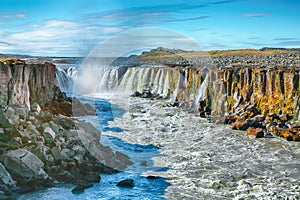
column 21, row 111
column 35, row 107
column 8, row 118
column 78, row 158
column 284, row 117
column 5, row 177
column 49, row 135
column 23, row 165
column 92, row 177
column 257, row 132
column 67, row 154
column 80, row 188
column 259, row 118
column 4, row 136
column 153, row 177
column 126, row 183
column 79, row 150
column 55, row 151
column 65, row 122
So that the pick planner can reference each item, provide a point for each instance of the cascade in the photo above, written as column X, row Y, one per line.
column 202, row 90
column 66, row 75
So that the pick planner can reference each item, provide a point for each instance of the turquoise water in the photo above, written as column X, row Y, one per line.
column 144, row 188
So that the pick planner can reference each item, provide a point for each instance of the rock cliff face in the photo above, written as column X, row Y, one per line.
column 219, row 90
column 39, row 142
column 22, row 84
column 244, row 96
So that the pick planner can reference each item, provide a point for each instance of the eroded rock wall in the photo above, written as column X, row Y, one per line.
column 22, row 84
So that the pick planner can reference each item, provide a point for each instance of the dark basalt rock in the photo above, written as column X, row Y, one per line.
column 126, row 183
column 153, row 177
column 80, row 188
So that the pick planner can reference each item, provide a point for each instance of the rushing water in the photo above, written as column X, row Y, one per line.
column 195, row 159
column 141, row 155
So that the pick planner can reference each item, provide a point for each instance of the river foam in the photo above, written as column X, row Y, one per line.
column 209, row 161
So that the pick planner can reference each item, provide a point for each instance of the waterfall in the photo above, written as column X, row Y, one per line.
column 66, row 75
column 202, row 90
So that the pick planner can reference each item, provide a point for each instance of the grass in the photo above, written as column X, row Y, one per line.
column 12, row 61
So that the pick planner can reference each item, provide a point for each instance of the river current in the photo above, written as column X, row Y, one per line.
column 190, row 157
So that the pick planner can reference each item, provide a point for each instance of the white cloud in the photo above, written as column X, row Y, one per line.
column 12, row 15
column 259, row 14
column 57, row 37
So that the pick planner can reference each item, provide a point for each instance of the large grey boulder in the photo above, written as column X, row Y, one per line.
column 24, row 166
column 8, row 118
column 5, row 177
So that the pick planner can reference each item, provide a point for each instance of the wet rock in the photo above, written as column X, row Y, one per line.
column 257, row 132
column 49, row 135
column 92, row 177
column 8, row 118
column 35, row 107
column 240, row 125
column 153, row 177
column 126, row 183
column 24, row 166
column 80, row 188
column 136, row 94
column 55, row 151
column 5, row 177
column 25, row 189
column 65, row 122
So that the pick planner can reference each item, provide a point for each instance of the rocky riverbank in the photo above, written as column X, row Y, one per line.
column 40, row 143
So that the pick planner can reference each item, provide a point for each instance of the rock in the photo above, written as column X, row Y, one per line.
column 64, row 121
column 92, row 177
column 144, row 163
column 8, row 118
column 25, row 189
column 67, row 154
column 153, row 177
column 78, row 158
column 136, row 94
column 23, row 165
column 21, row 111
column 49, row 135
column 5, row 177
column 35, row 107
column 240, row 125
column 79, row 150
column 126, row 183
column 284, row 117
column 55, row 151
column 257, row 132
column 80, row 188
column 259, row 118
column 3, row 136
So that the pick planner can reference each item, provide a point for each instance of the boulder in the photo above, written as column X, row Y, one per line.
column 49, row 135
column 8, row 118
column 257, row 132
column 5, row 177
column 64, row 121
column 55, row 151
column 21, row 111
column 4, row 136
column 126, row 183
column 80, row 188
column 35, row 107
column 24, row 166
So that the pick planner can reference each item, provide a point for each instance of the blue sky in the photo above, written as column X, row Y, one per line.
column 75, row 27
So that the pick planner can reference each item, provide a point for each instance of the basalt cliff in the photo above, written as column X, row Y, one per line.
column 254, row 90
column 39, row 142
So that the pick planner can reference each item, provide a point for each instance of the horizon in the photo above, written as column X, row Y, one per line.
column 74, row 28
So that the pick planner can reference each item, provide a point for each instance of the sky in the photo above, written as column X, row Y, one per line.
column 76, row 27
